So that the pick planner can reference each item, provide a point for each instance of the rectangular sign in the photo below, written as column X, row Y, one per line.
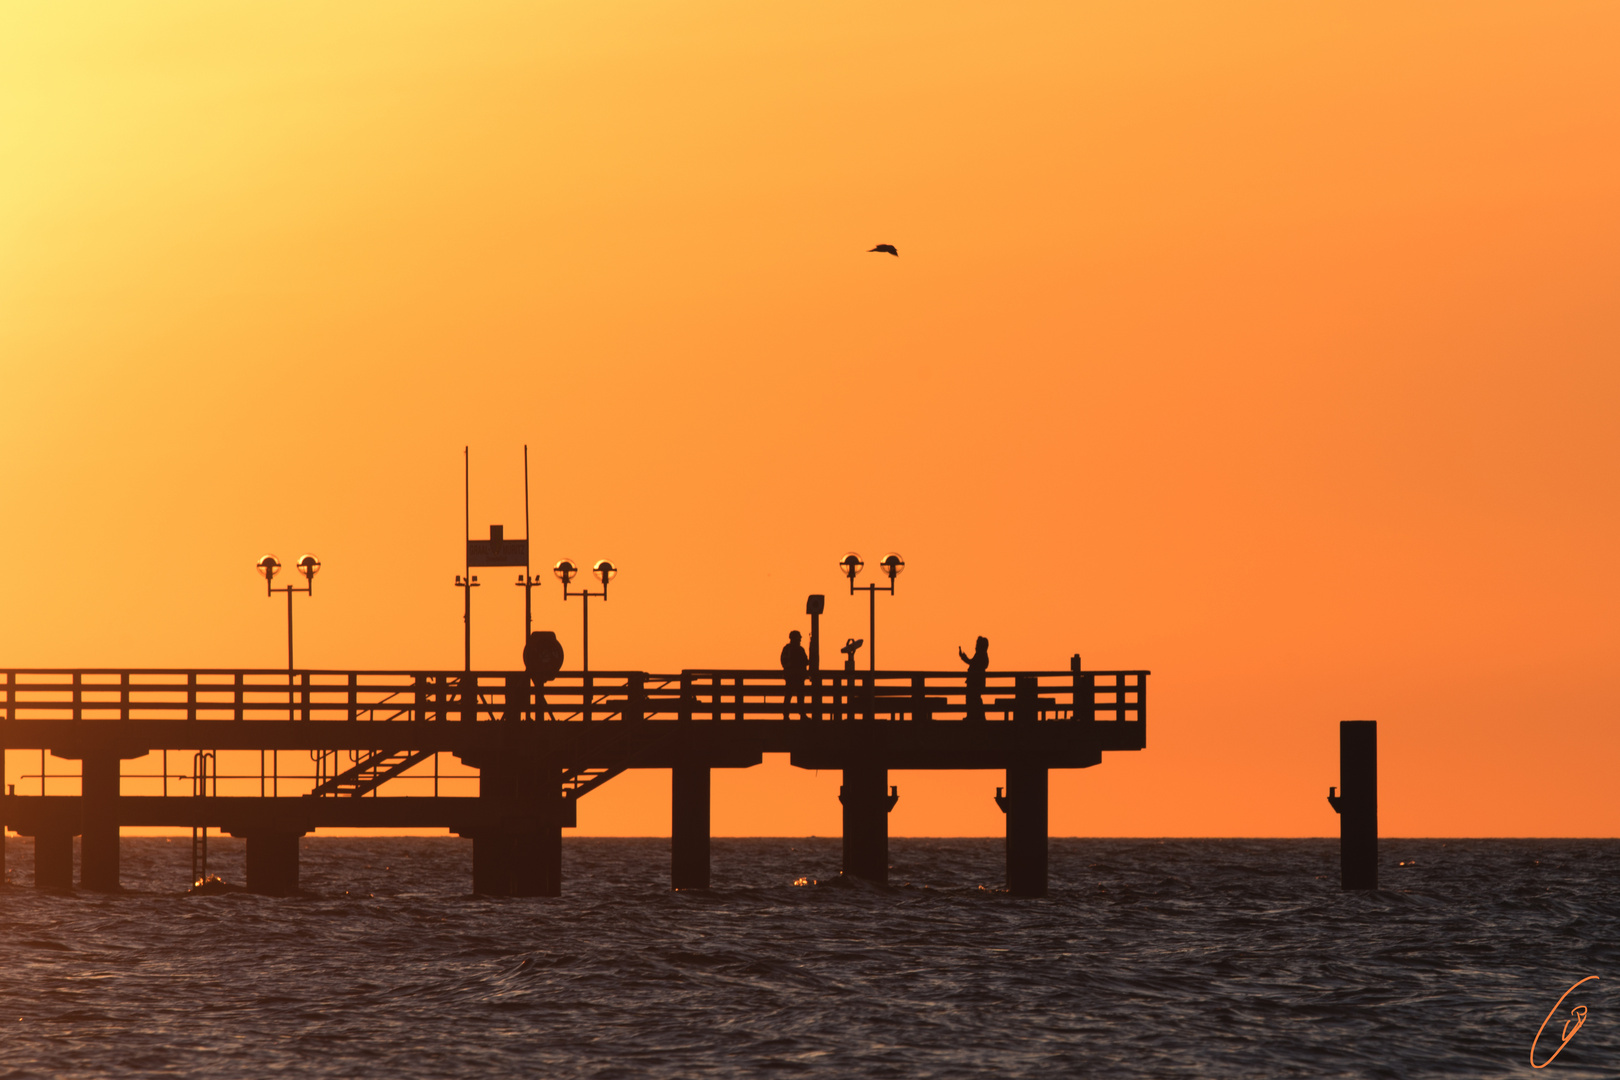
column 497, row 553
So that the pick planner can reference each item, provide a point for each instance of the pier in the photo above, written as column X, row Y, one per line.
column 353, row 749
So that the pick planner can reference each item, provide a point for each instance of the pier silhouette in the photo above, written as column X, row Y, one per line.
column 370, row 734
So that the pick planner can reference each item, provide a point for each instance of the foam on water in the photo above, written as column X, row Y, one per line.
column 1180, row 958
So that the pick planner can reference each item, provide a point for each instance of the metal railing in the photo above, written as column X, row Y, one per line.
column 699, row 694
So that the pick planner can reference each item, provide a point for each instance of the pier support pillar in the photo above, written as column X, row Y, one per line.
column 493, row 847
column 1357, row 806
column 536, row 862
column 536, row 845
column 492, row 864
column 689, row 827
column 867, row 801
column 98, row 850
column 53, row 860
column 272, row 863
column 1025, row 807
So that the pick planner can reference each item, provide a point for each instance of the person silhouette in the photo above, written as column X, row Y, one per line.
column 977, row 665
column 542, row 659
column 794, row 664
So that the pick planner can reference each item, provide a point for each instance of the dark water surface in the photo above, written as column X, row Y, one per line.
column 1185, row 958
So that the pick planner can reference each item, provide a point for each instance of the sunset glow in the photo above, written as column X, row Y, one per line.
column 1269, row 347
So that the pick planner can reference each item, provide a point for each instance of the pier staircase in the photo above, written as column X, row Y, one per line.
column 369, row 773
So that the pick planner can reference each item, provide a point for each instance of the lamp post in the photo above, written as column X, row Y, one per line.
column 467, row 582
column 268, row 568
column 891, row 565
column 605, row 572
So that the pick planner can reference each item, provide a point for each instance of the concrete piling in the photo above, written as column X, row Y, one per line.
column 1025, row 805
column 272, row 862
column 867, row 800
column 689, row 827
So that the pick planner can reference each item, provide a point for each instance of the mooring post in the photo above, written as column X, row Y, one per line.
column 98, row 850
column 1357, row 806
column 689, row 827
column 867, row 800
column 272, row 861
column 1025, row 807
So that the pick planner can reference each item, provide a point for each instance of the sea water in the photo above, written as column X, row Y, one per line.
column 1154, row 959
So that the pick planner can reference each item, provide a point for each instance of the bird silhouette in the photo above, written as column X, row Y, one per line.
column 887, row 247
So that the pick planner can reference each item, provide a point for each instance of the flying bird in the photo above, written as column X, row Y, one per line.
column 887, row 247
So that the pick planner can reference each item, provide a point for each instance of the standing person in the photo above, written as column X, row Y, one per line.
column 794, row 665
column 542, row 659
column 977, row 665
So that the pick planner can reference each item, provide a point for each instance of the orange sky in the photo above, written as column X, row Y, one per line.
column 1268, row 346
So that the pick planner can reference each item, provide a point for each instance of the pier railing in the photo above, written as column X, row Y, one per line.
column 712, row 695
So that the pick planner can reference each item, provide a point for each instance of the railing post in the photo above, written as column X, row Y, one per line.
column 635, row 705
column 191, row 695
column 123, row 695
column 919, row 698
column 469, row 697
column 303, row 695
column 515, row 700
column 1082, row 708
column 714, row 699
column 354, row 695
column 587, row 693
column 1082, row 705
column 737, row 685
column 418, row 697
column 240, row 679
column 1026, row 699
column 684, row 714
column 78, row 696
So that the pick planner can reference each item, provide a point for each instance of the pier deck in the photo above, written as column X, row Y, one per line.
column 369, row 734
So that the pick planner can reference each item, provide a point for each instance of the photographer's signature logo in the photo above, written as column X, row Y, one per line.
column 1577, row 1018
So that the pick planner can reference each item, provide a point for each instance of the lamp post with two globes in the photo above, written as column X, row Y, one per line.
column 268, row 567
column 891, row 565
column 566, row 570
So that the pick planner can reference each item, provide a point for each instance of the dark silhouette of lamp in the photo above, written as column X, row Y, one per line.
column 269, row 566
column 851, row 565
column 567, row 570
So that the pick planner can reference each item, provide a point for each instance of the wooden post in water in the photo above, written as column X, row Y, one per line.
column 1357, row 805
